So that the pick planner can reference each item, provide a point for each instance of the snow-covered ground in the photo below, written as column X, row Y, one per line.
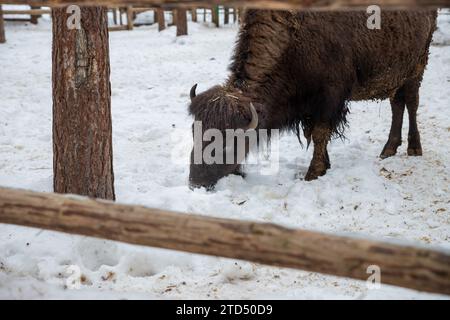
column 400, row 198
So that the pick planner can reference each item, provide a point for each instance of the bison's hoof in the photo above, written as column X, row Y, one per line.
column 388, row 152
column 310, row 177
column 414, row 147
column 415, row 152
column 313, row 174
column 390, row 148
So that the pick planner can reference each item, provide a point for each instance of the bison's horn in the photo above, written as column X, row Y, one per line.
column 254, row 123
column 192, row 93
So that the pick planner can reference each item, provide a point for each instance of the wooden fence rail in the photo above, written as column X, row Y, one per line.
column 266, row 4
column 407, row 266
column 28, row 11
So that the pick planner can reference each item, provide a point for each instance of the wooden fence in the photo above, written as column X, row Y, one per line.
column 117, row 14
column 264, row 4
column 407, row 266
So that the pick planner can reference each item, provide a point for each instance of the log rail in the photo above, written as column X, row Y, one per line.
column 261, row 4
column 29, row 11
column 408, row 266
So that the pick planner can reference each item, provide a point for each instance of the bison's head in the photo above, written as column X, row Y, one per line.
column 214, row 154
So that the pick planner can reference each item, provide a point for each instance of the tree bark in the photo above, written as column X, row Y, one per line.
column 2, row 27
column 408, row 266
column 82, row 129
column 181, row 22
column 160, row 19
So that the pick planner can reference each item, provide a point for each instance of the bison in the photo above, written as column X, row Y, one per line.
column 298, row 70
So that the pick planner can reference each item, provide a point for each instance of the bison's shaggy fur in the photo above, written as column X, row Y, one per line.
column 300, row 69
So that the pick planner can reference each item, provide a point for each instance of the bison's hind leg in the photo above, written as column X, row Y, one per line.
column 395, row 135
column 412, row 104
column 321, row 135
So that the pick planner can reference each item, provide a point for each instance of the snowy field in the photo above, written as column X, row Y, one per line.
column 400, row 198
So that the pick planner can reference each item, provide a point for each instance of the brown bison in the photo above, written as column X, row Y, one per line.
column 293, row 70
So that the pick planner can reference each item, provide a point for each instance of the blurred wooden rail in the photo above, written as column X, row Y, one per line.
column 29, row 11
column 263, row 4
column 406, row 266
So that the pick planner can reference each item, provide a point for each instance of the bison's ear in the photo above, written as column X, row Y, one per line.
column 192, row 93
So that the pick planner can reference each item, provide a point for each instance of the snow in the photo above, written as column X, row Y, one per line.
column 401, row 198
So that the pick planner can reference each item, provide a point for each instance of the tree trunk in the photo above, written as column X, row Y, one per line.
column 181, row 22
column 160, row 19
column 82, row 129
column 2, row 27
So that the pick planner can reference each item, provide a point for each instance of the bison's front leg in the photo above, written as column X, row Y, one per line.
column 320, row 162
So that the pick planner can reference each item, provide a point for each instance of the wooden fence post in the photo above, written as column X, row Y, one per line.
column 226, row 15
column 34, row 17
column 174, row 18
column 181, row 15
column 215, row 15
column 2, row 27
column 194, row 14
column 82, row 129
column 114, row 14
column 160, row 19
column 130, row 22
